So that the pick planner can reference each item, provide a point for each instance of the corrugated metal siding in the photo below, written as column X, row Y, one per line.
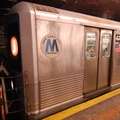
column 58, row 90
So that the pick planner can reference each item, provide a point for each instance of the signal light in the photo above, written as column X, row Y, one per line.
column 14, row 46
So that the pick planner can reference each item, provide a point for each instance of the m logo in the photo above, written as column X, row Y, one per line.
column 51, row 46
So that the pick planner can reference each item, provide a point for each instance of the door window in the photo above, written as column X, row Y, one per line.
column 106, row 38
column 90, row 44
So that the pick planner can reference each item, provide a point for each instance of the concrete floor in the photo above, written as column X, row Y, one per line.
column 106, row 110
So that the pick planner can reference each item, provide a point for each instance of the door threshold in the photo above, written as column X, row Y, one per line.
column 97, row 92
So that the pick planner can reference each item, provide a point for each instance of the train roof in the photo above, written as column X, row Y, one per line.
column 64, row 15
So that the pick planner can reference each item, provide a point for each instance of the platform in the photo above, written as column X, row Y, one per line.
column 105, row 107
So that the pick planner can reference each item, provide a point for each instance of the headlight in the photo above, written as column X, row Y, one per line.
column 14, row 46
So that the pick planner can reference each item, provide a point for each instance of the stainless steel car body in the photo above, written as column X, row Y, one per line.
column 57, row 73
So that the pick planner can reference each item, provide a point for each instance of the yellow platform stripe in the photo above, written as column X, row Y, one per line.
column 82, row 106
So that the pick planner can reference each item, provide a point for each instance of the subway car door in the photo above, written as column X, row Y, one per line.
column 91, row 59
column 97, row 59
column 104, row 58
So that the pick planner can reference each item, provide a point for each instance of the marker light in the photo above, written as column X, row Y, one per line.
column 14, row 46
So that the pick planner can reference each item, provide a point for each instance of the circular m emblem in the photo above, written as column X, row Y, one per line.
column 51, row 46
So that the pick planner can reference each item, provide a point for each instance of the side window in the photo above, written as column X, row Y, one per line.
column 106, row 41
column 90, row 44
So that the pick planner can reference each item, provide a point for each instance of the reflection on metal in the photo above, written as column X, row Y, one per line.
column 61, row 17
column 12, row 85
column 48, row 15
column 67, row 18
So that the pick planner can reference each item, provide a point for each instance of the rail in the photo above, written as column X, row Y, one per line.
column 12, row 96
column 13, row 100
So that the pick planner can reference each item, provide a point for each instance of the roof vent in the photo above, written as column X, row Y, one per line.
column 45, row 8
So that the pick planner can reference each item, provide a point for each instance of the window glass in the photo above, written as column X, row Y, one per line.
column 90, row 44
column 106, row 44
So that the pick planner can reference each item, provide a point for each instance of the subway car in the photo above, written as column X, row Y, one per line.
column 64, row 57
